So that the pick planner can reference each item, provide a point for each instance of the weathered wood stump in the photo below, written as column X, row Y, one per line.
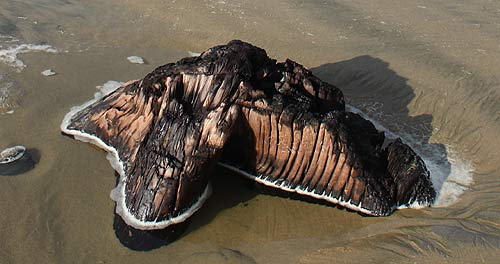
column 273, row 122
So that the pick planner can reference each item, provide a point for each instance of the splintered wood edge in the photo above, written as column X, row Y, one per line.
column 302, row 191
column 118, row 193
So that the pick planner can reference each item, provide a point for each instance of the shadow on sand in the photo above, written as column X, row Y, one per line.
column 229, row 190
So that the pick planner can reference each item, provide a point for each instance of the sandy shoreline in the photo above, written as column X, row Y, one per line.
column 429, row 70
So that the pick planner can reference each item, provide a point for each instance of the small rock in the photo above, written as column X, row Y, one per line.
column 16, row 160
column 135, row 59
column 12, row 154
column 48, row 72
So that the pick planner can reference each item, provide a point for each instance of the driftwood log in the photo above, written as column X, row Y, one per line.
column 273, row 122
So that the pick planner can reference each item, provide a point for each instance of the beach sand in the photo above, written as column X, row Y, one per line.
column 427, row 71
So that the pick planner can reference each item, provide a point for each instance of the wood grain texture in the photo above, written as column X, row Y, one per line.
column 276, row 121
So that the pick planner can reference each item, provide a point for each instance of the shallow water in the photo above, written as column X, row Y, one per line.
column 427, row 72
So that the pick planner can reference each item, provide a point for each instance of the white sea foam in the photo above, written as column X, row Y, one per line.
column 135, row 59
column 8, row 95
column 450, row 174
column 9, row 55
column 194, row 54
column 8, row 39
column 118, row 193
column 459, row 179
column 48, row 72
column 107, row 88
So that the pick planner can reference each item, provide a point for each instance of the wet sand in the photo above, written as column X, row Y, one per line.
column 427, row 71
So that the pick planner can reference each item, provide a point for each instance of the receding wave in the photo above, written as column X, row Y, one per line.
column 9, row 55
column 451, row 175
column 9, row 96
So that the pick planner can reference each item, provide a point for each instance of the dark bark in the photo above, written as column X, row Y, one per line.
column 274, row 120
